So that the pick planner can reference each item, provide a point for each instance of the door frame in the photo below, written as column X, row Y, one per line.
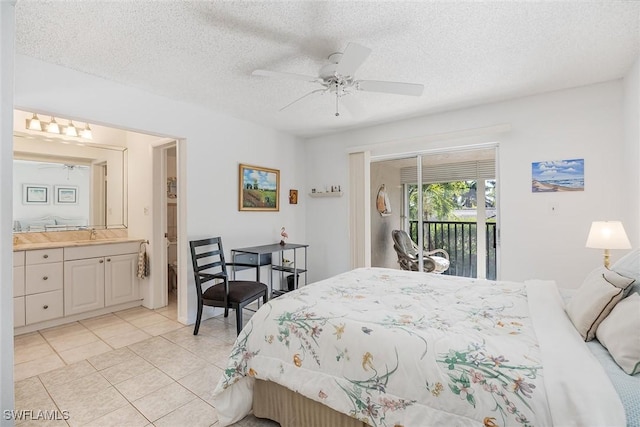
column 372, row 158
column 159, row 225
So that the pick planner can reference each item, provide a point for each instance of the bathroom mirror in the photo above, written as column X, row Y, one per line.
column 61, row 185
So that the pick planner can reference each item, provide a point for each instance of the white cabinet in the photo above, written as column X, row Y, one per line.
column 18, row 289
column 50, row 285
column 43, row 306
column 100, row 276
column 121, row 282
column 18, row 274
column 83, row 285
column 42, row 278
column 18, row 312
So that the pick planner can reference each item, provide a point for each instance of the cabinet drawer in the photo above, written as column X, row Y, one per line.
column 252, row 259
column 43, row 278
column 18, row 258
column 44, row 306
column 18, row 312
column 42, row 256
column 100, row 250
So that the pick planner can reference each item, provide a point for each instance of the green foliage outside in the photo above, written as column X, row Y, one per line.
column 441, row 200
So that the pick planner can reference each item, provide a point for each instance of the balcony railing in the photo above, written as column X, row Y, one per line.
column 459, row 239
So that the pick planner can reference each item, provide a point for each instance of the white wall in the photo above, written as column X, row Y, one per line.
column 585, row 122
column 215, row 145
column 7, row 37
column 631, row 150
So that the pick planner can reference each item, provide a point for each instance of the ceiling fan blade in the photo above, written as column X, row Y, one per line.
column 412, row 89
column 282, row 75
column 302, row 97
column 355, row 107
column 352, row 58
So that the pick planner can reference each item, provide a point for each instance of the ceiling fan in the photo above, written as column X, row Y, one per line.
column 337, row 77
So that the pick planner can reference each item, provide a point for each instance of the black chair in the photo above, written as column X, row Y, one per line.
column 207, row 257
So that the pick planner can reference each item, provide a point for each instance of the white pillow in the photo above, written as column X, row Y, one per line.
column 601, row 290
column 629, row 266
column 620, row 333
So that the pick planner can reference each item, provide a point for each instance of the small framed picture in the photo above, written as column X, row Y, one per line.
column 293, row 197
column 35, row 194
column 66, row 195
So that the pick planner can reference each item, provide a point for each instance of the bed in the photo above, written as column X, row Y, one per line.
column 384, row 347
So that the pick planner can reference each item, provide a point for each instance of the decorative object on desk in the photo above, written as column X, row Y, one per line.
column 293, row 197
column 35, row 194
column 66, row 195
column 284, row 235
column 382, row 202
column 259, row 189
column 557, row 176
column 607, row 235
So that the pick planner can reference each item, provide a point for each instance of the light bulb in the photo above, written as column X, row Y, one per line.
column 53, row 127
column 34, row 123
column 86, row 132
column 71, row 130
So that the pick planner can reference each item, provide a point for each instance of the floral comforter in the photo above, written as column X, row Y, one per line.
column 399, row 348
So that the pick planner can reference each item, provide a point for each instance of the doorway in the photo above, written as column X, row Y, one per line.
column 171, row 234
column 444, row 200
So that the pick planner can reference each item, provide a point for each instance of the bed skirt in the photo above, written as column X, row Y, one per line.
column 290, row 409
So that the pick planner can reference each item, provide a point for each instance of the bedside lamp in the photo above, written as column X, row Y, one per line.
column 607, row 235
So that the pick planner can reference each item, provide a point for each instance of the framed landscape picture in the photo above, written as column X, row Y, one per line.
column 259, row 189
column 35, row 194
column 66, row 195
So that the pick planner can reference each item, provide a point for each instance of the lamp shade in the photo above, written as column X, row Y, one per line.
column 608, row 235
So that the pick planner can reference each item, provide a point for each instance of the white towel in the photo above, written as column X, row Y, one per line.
column 143, row 261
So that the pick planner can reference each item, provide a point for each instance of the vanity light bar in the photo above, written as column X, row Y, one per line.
column 34, row 123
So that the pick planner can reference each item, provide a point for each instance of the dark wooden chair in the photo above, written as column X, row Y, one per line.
column 207, row 257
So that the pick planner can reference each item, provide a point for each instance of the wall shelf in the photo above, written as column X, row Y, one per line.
column 327, row 194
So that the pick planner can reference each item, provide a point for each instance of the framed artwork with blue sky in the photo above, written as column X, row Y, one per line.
column 554, row 176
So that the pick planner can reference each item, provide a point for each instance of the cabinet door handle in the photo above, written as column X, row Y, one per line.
column 45, row 306
column 101, row 261
column 45, row 256
column 45, row 278
column 108, row 259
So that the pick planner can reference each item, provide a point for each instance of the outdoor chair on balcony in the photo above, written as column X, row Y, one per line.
column 408, row 253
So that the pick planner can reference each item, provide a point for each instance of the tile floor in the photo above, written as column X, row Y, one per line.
column 136, row 367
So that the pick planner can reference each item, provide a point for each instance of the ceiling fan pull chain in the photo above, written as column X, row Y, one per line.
column 337, row 96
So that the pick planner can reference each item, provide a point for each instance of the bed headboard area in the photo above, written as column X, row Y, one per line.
column 49, row 223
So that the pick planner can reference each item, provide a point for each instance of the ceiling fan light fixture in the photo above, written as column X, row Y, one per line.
column 337, row 77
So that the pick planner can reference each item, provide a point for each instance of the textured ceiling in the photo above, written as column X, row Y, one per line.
column 203, row 52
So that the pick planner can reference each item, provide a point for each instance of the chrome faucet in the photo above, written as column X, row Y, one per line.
column 93, row 234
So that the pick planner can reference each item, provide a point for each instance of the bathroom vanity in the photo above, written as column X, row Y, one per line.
column 61, row 282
